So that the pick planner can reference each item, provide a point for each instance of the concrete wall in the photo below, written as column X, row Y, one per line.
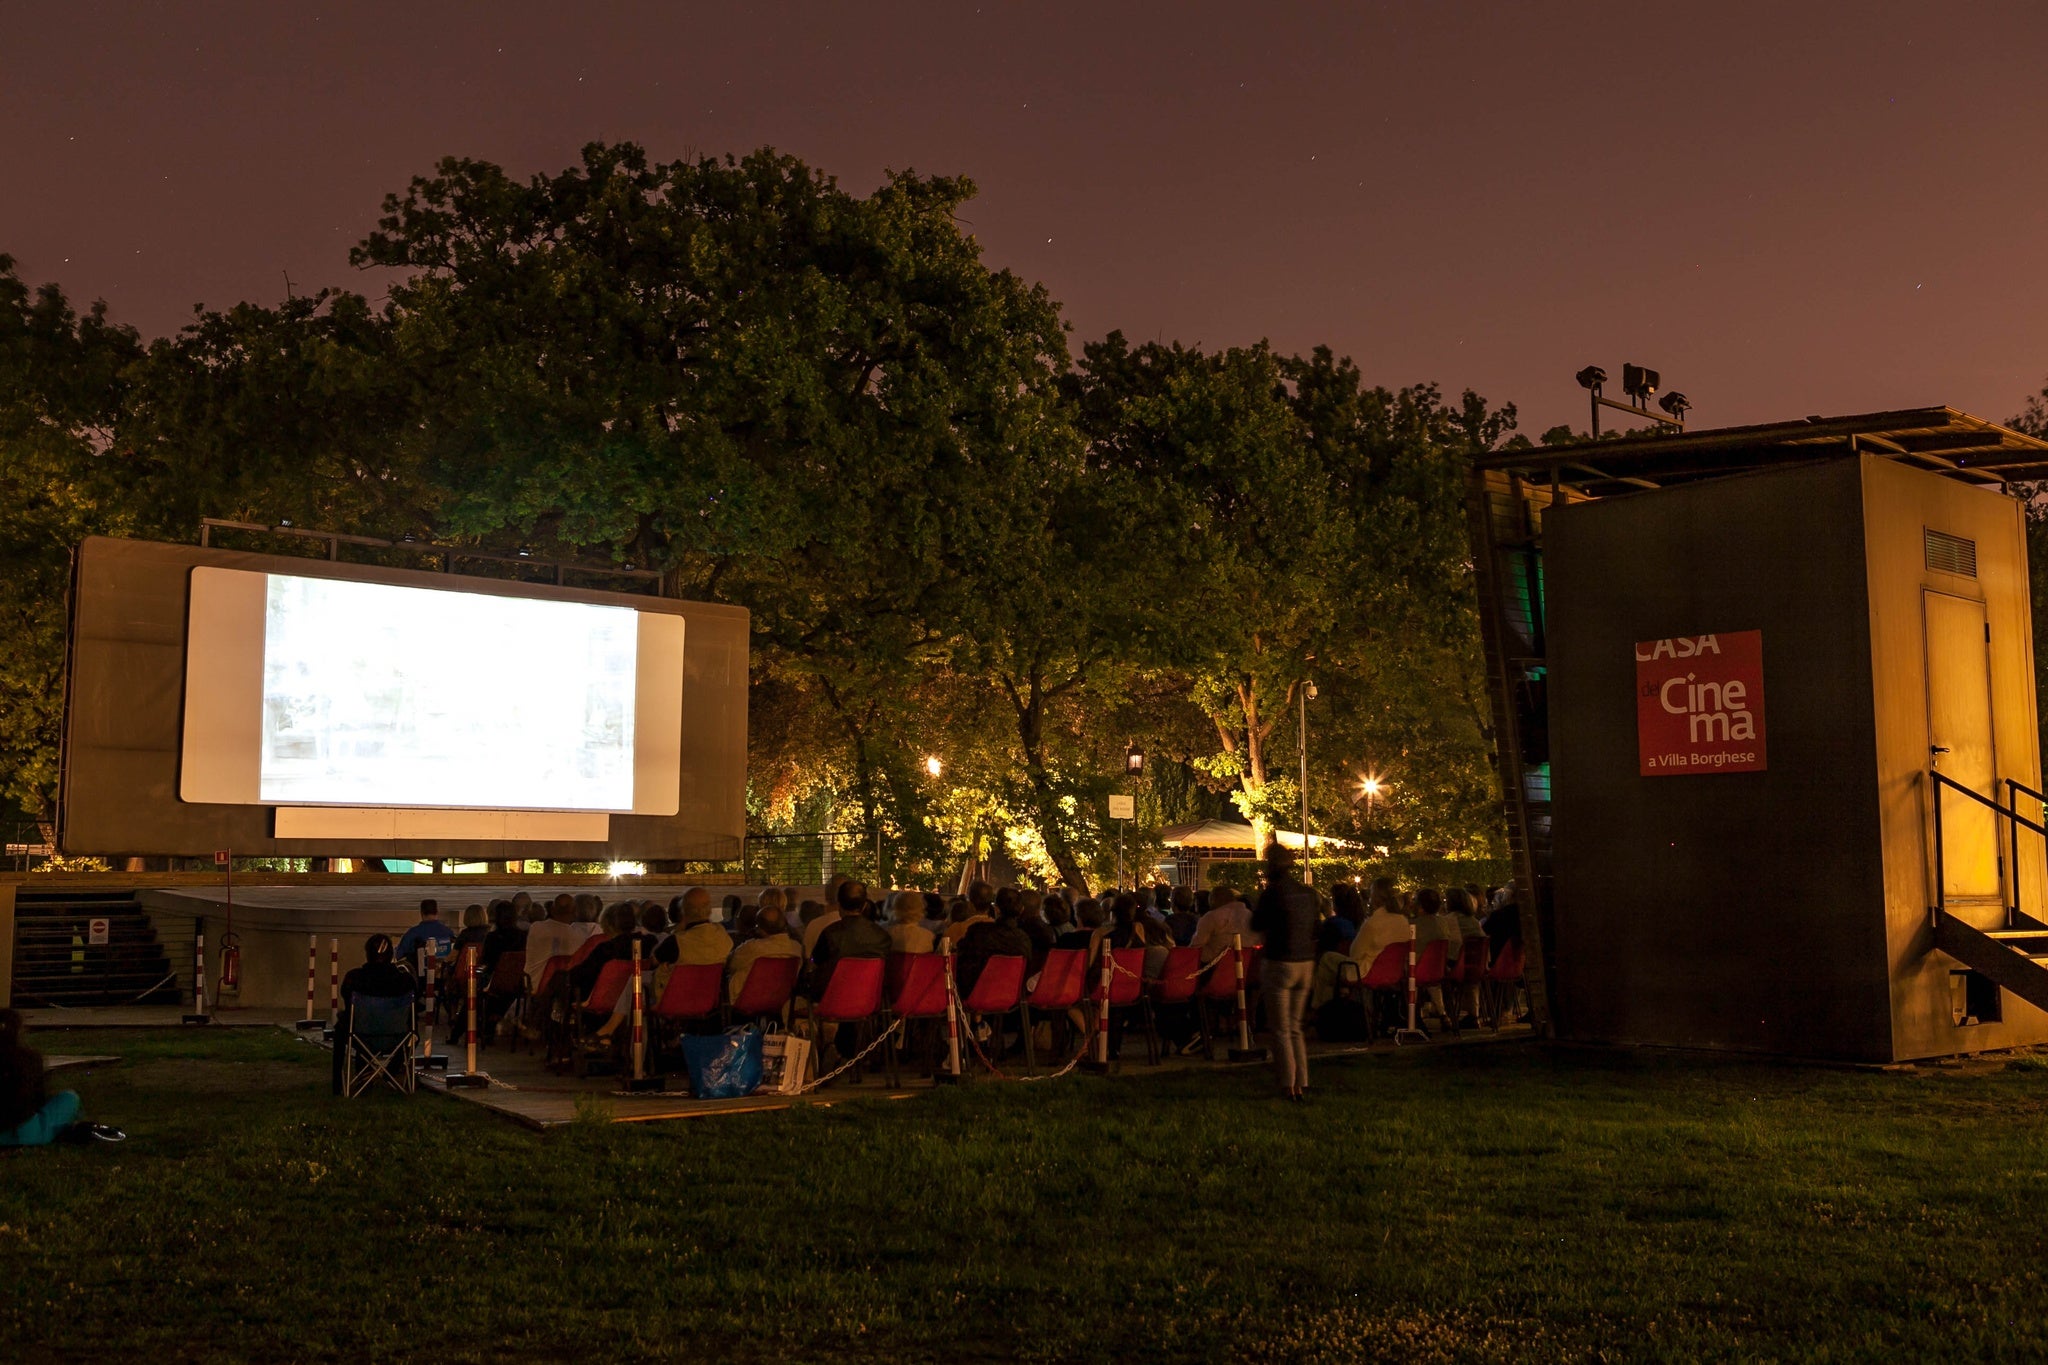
column 124, row 713
column 1725, row 910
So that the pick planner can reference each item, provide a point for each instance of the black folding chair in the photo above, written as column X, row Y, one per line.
column 382, row 1035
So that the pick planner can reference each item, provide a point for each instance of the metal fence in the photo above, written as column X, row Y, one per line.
column 806, row 859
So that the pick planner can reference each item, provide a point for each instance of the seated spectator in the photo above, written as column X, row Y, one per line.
column 380, row 977
column 476, row 927
column 1038, row 928
column 1161, row 910
column 979, row 909
column 1384, row 925
column 829, row 914
column 621, row 928
column 984, row 939
column 528, row 910
column 559, row 935
column 29, row 1115
column 1431, row 925
column 853, row 935
column 1228, row 921
column 1459, row 908
column 907, row 933
column 697, row 941
column 1335, row 932
column 934, row 913
column 1182, row 919
column 1504, row 924
column 1090, row 928
column 429, row 934
column 507, row 936
column 1131, row 927
column 771, row 939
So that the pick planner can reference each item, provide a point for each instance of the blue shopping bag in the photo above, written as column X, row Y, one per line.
column 723, row 1066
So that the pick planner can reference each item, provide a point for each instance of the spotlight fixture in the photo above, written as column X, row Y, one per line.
column 1675, row 403
column 1639, row 382
column 1592, row 377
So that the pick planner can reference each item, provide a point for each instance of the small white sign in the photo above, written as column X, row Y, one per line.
column 96, row 932
column 1123, row 807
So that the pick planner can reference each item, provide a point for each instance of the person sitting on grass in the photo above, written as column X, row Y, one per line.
column 29, row 1115
column 771, row 939
column 432, row 935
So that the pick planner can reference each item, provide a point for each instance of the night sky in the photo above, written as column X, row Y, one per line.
column 1788, row 208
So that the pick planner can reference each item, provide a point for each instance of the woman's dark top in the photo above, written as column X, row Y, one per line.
column 1504, row 926
column 386, row 980
column 1334, row 935
column 21, row 1086
column 1286, row 917
column 474, row 937
column 499, row 942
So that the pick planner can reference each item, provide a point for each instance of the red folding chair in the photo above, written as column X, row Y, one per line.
column 585, row 949
column 553, row 980
column 1472, row 965
column 899, row 967
column 695, row 992
column 918, row 995
column 503, row 992
column 1126, row 992
column 766, row 992
column 999, row 993
column 1429, row 968
column 1382, row 983
column 1503, row 977
column 613, row 980
column 1178, row 981
column 1057, row 990
column 853, row 996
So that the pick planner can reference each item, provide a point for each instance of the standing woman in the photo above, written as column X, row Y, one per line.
column 1286, row 916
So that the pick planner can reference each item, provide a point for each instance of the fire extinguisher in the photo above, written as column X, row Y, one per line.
column 230, row 961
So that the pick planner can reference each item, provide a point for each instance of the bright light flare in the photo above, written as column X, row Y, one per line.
column 933, row 766
column 617, row 870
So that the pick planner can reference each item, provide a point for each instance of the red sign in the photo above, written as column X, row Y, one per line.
column 220, row 857
column 1700, row 704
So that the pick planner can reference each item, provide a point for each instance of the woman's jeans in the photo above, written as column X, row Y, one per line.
column 55, row 1116
column 1286, row 988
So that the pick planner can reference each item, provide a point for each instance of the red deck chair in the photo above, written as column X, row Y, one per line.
column 1429, row 970
column 1382, row 983
column 504, row 990
column 1057, row 990
column 892, row 978
column 1503, row 977
column 1126, row 992
column 1178, row 981
column 1218, row 992
column 852, row 996
column 613, row 980
column 695, row 992
column 770, row 982
column 586, row 948
column 918, row 995
column 542, row 998
column 999, row 993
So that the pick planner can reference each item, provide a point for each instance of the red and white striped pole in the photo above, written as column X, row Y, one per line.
column 419, row 957
column 639, row 1018
column 333, row 980
column 470, row 1075
column 312, row 979
column 952, row 1014
column 1100, row 1061
column 1244, row 1051
column 199, row 1014
column 1411, row 1034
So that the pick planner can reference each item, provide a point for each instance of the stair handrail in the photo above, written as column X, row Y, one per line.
column 1941, row 781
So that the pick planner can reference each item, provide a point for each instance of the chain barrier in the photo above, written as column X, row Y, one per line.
column 894, row 1026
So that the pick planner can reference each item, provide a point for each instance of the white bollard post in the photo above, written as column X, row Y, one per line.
column 640, row 1080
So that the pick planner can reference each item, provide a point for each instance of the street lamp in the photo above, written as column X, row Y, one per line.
column 1369, row 787
column 1134, row 760
column 1308, row 870
column 933, row 766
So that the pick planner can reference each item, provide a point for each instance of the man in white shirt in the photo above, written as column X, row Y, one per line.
column 1228, row 919
column 559, row 935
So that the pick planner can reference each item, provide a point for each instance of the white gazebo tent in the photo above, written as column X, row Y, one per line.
column 1197, row 845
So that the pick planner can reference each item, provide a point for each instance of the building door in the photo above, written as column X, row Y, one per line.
column 1959, row 722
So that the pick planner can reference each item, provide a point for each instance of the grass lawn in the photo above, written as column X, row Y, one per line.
column 1495, row 1203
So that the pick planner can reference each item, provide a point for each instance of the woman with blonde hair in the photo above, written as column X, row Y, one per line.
column 907, row 931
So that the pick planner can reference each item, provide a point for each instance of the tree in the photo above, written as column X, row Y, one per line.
column 62, row 379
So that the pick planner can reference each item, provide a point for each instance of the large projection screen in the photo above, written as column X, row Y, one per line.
column 165, row 713
column 304, row 691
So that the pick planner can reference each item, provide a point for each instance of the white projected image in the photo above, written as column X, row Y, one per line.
column 386, row 696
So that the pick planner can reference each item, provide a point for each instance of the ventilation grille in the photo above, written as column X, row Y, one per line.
column 1951, row 554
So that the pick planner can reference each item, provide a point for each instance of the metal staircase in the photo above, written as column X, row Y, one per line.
column 2014, row 958
column 57, row 964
